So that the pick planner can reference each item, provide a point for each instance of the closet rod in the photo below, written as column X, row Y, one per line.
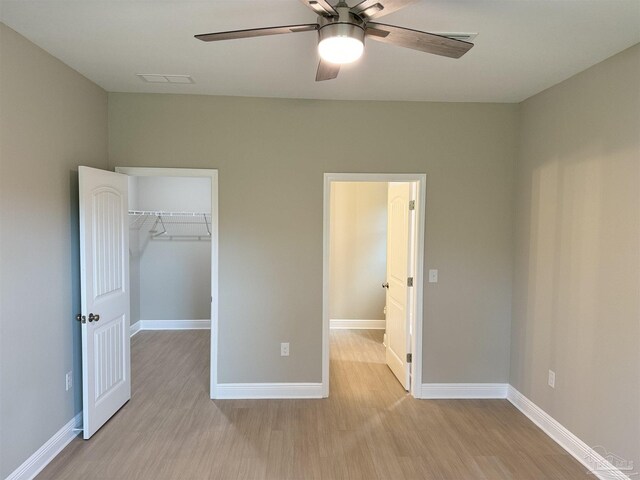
column 156, row 213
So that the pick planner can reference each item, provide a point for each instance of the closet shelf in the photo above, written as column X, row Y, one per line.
column 156, row 213
column 172, row 225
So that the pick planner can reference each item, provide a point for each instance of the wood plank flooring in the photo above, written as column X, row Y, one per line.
column 369, row 428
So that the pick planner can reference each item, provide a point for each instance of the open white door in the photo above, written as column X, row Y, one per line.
column 104, row 283
column 398, row 268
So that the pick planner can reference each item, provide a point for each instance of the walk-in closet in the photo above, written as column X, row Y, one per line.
column 170, row 252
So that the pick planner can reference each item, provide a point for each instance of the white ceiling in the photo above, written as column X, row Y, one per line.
column 523, row 46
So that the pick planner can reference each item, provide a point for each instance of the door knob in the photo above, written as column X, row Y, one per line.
column 81, row 318
column 385, row 285
column 94, row 318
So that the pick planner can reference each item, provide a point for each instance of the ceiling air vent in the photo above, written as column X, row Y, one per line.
column 158, row 78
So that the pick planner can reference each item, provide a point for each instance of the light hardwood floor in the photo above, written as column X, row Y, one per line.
column 369, row 428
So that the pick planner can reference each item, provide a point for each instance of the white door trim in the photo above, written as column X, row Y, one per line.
column 213, row 175
column 416, row 340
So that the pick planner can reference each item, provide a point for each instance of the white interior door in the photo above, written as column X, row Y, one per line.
column 104, row 283
column 398, row 272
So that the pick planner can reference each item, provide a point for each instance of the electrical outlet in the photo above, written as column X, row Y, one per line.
column 552, row 379
column 68, row 381
column 284, row 349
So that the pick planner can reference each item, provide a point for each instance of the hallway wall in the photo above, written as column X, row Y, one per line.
column 358, row 258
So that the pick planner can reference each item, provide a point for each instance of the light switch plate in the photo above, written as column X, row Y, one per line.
column 552, row 379
column 433, row 276
column 284, row 349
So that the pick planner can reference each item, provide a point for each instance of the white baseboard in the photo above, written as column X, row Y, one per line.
column 268, row 390
column 135, row 328
column 582, row 452
column 47, row 452
column 356, row 324
column 170, row 325
column 463, row 390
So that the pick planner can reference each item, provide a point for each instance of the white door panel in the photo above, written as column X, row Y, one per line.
column 104, row 283
column 398, row 268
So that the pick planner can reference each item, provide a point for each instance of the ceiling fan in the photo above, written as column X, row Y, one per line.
column 342, row 31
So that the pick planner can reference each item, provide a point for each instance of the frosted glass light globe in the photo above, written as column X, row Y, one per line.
column 340, row 49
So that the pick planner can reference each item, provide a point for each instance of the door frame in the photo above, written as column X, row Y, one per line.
column 213, row 175
column 420, row 179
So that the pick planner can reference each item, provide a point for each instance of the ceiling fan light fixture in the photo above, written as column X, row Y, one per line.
column 340, row 42
column 342, row 30
column 340, row 49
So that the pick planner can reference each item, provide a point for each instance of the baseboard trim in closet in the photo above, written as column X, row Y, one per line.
column 356, row 324
column 170, row 325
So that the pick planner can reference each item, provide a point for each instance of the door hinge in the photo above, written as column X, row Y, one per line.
column 412, row 204
column 409, row 357
column 410, row 282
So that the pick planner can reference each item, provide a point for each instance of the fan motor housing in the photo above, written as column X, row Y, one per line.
column 345, row 25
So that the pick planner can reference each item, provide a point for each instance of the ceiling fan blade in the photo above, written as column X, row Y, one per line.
column 417, row 40
column 327, row 71
column 377, row 8
column 321, row 7
column 256, row 32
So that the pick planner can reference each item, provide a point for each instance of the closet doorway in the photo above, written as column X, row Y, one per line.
column 373, row 270
column 173, row 251
column 171, row 215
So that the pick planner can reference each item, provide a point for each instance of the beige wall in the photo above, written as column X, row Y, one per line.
column 358, row 260
column 51, row 120
column 272, row 154
column 576, row 304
